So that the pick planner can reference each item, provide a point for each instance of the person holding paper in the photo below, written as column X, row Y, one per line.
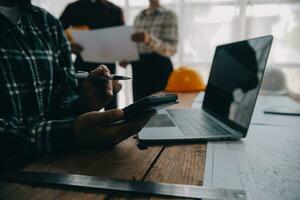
column 91, row 14
column 42, row 109
column 157, row 38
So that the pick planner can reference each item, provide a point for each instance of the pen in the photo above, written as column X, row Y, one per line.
column 84, row 75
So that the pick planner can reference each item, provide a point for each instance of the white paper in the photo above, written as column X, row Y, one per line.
column 267, row 101
column 107, row 45
column 266, row 163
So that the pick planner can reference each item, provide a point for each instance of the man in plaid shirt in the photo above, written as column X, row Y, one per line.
column 157, row 39
column 41, row 109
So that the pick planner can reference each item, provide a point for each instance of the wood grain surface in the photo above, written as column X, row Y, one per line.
column 182, row 164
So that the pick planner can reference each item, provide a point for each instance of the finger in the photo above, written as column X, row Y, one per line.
column 109, row 90
column 92, row 119
column 110, row 116
column 116, row 86
column 116, row 133
column 105, row 69
column 102, row 70
column 132, row 127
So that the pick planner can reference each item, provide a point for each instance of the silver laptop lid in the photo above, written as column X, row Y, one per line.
column 235, row 80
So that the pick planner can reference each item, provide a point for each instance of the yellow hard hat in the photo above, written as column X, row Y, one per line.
column 185, row 79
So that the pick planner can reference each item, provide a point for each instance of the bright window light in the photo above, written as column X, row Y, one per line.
column 118, row 2
column 139, row 2
column 218, row 14
column 263, row 10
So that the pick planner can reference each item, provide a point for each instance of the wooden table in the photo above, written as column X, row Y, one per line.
column 182, row 164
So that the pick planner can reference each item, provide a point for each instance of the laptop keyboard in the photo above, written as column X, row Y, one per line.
column 195, row 123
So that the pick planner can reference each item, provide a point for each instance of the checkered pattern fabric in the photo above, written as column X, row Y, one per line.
column 37, row 83
column 162, row 26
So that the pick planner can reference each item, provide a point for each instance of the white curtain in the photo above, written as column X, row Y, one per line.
column 203, row 24
column 207, row 23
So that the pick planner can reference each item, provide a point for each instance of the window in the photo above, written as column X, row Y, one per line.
column 207, row 23
column 203, row 24
column 281, row 20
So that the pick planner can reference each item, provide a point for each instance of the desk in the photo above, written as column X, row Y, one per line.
column 182, row 164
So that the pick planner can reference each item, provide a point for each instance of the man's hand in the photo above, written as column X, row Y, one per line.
column 141, row 37
column 94, row 129
column 95, row 93
column 76, row 48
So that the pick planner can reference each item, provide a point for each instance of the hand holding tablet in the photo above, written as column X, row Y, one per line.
column 150, row 103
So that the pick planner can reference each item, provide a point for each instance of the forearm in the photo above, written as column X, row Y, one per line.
column 40, row 138
column 164, row 48
column 54, row 136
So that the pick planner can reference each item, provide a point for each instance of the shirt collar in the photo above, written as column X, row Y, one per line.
column 158, row 10
column 24, row 6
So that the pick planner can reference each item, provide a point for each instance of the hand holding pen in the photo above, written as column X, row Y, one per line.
column 97, row 88
column 83, row 75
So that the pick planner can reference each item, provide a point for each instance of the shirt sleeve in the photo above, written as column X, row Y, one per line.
column 55, row 133
column 58, row 134
column 29, row 139
column 65, row 98
column 166, row 43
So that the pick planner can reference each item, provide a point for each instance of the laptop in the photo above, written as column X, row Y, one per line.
column 233, row 86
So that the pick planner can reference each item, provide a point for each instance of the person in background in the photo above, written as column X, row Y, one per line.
column 92, row 14
column 157, row 38
column 41, row 108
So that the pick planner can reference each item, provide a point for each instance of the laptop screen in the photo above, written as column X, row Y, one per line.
column 234, row 81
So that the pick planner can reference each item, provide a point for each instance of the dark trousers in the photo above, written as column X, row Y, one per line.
column 80, row 65
column 150, row 74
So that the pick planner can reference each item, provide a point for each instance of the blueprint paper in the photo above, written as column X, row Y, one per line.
column 107, row 45
column 266, row 163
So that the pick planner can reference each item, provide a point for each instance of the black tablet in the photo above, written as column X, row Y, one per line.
column 149, row 103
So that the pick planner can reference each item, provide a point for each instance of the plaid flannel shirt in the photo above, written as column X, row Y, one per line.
column 37, row 84
column 162, row 26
